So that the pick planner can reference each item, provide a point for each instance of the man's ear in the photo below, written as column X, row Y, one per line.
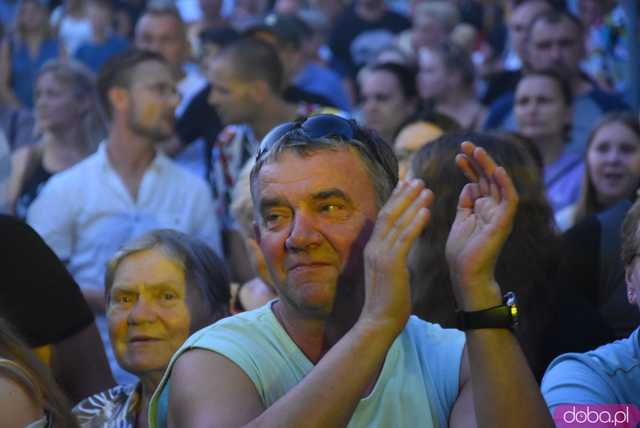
column 260, row 90
column 632, row 286
column 118, row 97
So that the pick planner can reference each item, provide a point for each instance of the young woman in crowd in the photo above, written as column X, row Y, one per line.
column 543, row 111
column 24, row 51
column 159, row 288
column 29, row 396
column 612, row 170
column 69, row 125
column 553, row 318
column 446, row 83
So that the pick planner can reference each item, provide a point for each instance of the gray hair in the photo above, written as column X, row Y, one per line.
column 204, row 271
column 377, row 156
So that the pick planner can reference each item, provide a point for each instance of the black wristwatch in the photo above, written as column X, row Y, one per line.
column 501, row 316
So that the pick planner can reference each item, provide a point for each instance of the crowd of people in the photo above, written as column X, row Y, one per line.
column 317, row 213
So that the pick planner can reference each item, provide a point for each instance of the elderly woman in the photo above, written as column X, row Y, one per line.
column 159, row 288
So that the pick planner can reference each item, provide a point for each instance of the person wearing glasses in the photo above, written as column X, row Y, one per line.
column 339, row 346
column 127, row 187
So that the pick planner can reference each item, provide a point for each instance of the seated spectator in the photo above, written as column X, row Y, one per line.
column 72, row 24
column 24, row 51
column 418, row 131
column 211, row 19
column 46, row 308
column 246, row 89
column 30, row 396
column 70, row 126
column 161, row 29
column 611, row 373
column 555, row 41
column 127, row 187
column 360, row 30
column 553, row 319
column 258, row 290
column 542, row 108
column 339, row 347
column 159, row 288
column 446, row 82
column 104, row 41
column 287, row 33
column 389, row 97
column 505, row 80
column 431, row 24
column 612, row 171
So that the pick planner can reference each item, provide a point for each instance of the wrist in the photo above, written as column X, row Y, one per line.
column 479, row 296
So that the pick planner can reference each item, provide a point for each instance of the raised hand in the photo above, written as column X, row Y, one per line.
column 387, row 290
column 486, row 209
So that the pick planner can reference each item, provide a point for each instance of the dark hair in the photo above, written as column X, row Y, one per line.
column 381, row 167
column 254, row 59
column 405, row 75
column 555, row 16
column 204, row 271
column 164, row 8
column 630, row 235
column 118, row 72
column 37, row 379
column 563, row 84
column 587, row 201
column 528, row 263
column 456, row 59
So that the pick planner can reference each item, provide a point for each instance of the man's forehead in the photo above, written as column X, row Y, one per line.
column 340, row 168
column 159, row 23
column 151, row 72
column 546, row 30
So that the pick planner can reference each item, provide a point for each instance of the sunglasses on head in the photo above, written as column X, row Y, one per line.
column 314, row 127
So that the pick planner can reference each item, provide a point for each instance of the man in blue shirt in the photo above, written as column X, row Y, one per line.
column 611, row 373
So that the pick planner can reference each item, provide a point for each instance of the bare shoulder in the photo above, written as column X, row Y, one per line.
column 17, row 407
column 208, row 389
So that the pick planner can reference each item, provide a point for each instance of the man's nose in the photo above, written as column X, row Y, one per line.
column 303, row 233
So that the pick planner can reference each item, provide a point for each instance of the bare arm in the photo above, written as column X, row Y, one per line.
column 17, row 407
column 505, row 392
column 323, row 398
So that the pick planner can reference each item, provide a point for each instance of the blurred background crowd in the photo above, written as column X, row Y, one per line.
column 121, row 117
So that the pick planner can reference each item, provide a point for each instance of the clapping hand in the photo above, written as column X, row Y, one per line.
column 485, row 213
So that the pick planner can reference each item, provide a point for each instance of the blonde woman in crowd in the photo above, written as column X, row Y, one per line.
column 69, row 125
column 612, row 170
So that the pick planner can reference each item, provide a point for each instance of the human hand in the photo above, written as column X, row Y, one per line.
column 400, row 221
column 484, row 219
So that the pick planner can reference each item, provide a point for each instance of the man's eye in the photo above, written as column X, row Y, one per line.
column 331, row 208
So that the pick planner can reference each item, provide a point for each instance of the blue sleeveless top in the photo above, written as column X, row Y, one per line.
column 24, row 68
column 417, row 386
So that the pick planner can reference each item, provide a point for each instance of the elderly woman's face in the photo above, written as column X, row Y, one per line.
column 147, row 311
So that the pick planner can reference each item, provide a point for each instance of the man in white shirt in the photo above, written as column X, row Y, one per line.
column 127, row 187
